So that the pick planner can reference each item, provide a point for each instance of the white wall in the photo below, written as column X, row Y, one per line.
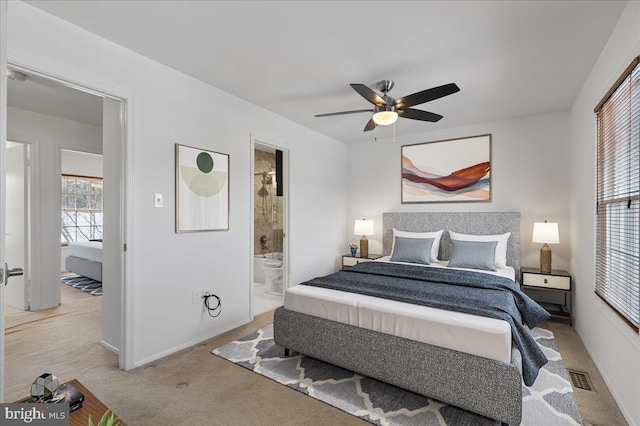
column 167, row 108
column 528, row 174
column 49, row 135
column 81, row 163
column 614, row 347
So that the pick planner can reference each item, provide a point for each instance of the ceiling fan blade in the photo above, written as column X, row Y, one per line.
column 370, row 125
column 343, row 112
column 368, row 94
column 416, row 114
column 427, row 95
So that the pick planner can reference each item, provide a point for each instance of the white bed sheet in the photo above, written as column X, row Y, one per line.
column 91, row 250
column 472, row 334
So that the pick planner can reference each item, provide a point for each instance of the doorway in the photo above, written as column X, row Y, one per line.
column 269, row 224
column 82, row 223
column 72, row 131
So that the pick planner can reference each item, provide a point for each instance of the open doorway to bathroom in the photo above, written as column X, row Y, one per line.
column 269, row 220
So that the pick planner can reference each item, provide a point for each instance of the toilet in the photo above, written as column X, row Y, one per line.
column 273, row 273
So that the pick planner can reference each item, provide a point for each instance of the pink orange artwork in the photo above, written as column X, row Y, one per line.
column 455, row 170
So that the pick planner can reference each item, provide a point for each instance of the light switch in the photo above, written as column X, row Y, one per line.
column 157, row 200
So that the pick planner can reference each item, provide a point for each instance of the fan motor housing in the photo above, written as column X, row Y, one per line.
column 385, row 85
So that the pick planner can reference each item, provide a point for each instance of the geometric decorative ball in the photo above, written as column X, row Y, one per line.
column 44, row 385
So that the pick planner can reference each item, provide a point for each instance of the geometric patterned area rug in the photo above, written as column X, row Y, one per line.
column 85, row 284
column 549, row 401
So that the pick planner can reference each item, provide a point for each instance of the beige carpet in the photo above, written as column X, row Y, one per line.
column 194, row 387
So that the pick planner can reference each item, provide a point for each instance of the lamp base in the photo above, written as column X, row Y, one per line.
column 545, row 259
column 364, row 246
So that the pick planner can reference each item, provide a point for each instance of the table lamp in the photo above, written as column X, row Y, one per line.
column 363, row 227
column 545, row 233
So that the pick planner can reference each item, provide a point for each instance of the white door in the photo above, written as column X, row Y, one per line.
column 17, row 220
column 112, row 246
column 3, row 138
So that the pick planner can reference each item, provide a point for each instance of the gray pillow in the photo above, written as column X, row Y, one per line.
column 412, row 250
column 473, row 255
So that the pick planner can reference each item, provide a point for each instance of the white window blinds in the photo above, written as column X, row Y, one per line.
column 618, row 197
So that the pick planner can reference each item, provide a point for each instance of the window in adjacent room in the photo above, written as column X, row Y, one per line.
column 618, row 196
column 81, row 209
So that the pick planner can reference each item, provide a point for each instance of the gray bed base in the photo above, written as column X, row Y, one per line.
column 481, row 385
column 84, row 267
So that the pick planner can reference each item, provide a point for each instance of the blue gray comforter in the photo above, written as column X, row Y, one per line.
column 462, row 291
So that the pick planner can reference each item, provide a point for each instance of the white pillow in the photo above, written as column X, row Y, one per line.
column 436, row 235
column 501, row 247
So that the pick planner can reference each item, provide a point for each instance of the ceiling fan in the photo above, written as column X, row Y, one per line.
column 387, row 110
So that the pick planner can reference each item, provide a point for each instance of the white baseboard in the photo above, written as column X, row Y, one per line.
column 188, row 344
column 110, row 347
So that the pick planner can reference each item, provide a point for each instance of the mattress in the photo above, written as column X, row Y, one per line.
column 472, row 334
column 91, row 250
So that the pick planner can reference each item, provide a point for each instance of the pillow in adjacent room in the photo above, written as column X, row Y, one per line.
column 412, row 250
column 436, row 235
column 501, row 247
column 473, row 255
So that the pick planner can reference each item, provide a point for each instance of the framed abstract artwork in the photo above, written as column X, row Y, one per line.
column 202, row 190
column 453, row 170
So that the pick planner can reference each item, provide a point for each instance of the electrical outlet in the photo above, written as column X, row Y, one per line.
column 197, row 296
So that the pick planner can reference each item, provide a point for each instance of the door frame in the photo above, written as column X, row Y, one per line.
column 126, row 99
column 284, row 147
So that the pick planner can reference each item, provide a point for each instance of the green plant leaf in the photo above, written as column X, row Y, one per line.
column 108, row 419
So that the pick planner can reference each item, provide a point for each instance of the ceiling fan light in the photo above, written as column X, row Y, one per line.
column 384, row 118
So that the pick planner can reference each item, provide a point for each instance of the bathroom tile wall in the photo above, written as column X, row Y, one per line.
column 264, row 202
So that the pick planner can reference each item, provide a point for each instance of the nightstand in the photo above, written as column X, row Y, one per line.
column 555, row 284
column 348, row 260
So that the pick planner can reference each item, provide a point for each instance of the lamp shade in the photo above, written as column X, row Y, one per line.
column 363, row 227
column 384, row 118
column 545, row 232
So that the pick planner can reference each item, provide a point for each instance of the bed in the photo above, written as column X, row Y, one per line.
column 85, row 258
column 456, row 357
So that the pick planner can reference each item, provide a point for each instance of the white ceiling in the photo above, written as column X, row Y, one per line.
column 45, row 96
column 509, row 58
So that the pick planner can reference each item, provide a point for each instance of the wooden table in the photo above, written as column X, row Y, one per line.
column 91, row 406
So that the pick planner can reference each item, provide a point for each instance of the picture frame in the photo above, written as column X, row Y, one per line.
column 446, row 171
column 202, row 190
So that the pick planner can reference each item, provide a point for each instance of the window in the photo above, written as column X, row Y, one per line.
column 618, row 198
column 81, row 209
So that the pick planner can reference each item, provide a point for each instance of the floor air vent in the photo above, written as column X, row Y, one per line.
column 581, row 380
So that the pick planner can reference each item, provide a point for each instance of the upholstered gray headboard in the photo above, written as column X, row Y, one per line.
column 462, row 222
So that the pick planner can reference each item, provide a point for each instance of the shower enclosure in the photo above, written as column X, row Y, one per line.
column 268, row 218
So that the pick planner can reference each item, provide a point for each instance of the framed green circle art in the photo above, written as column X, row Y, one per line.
column 202, row 190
